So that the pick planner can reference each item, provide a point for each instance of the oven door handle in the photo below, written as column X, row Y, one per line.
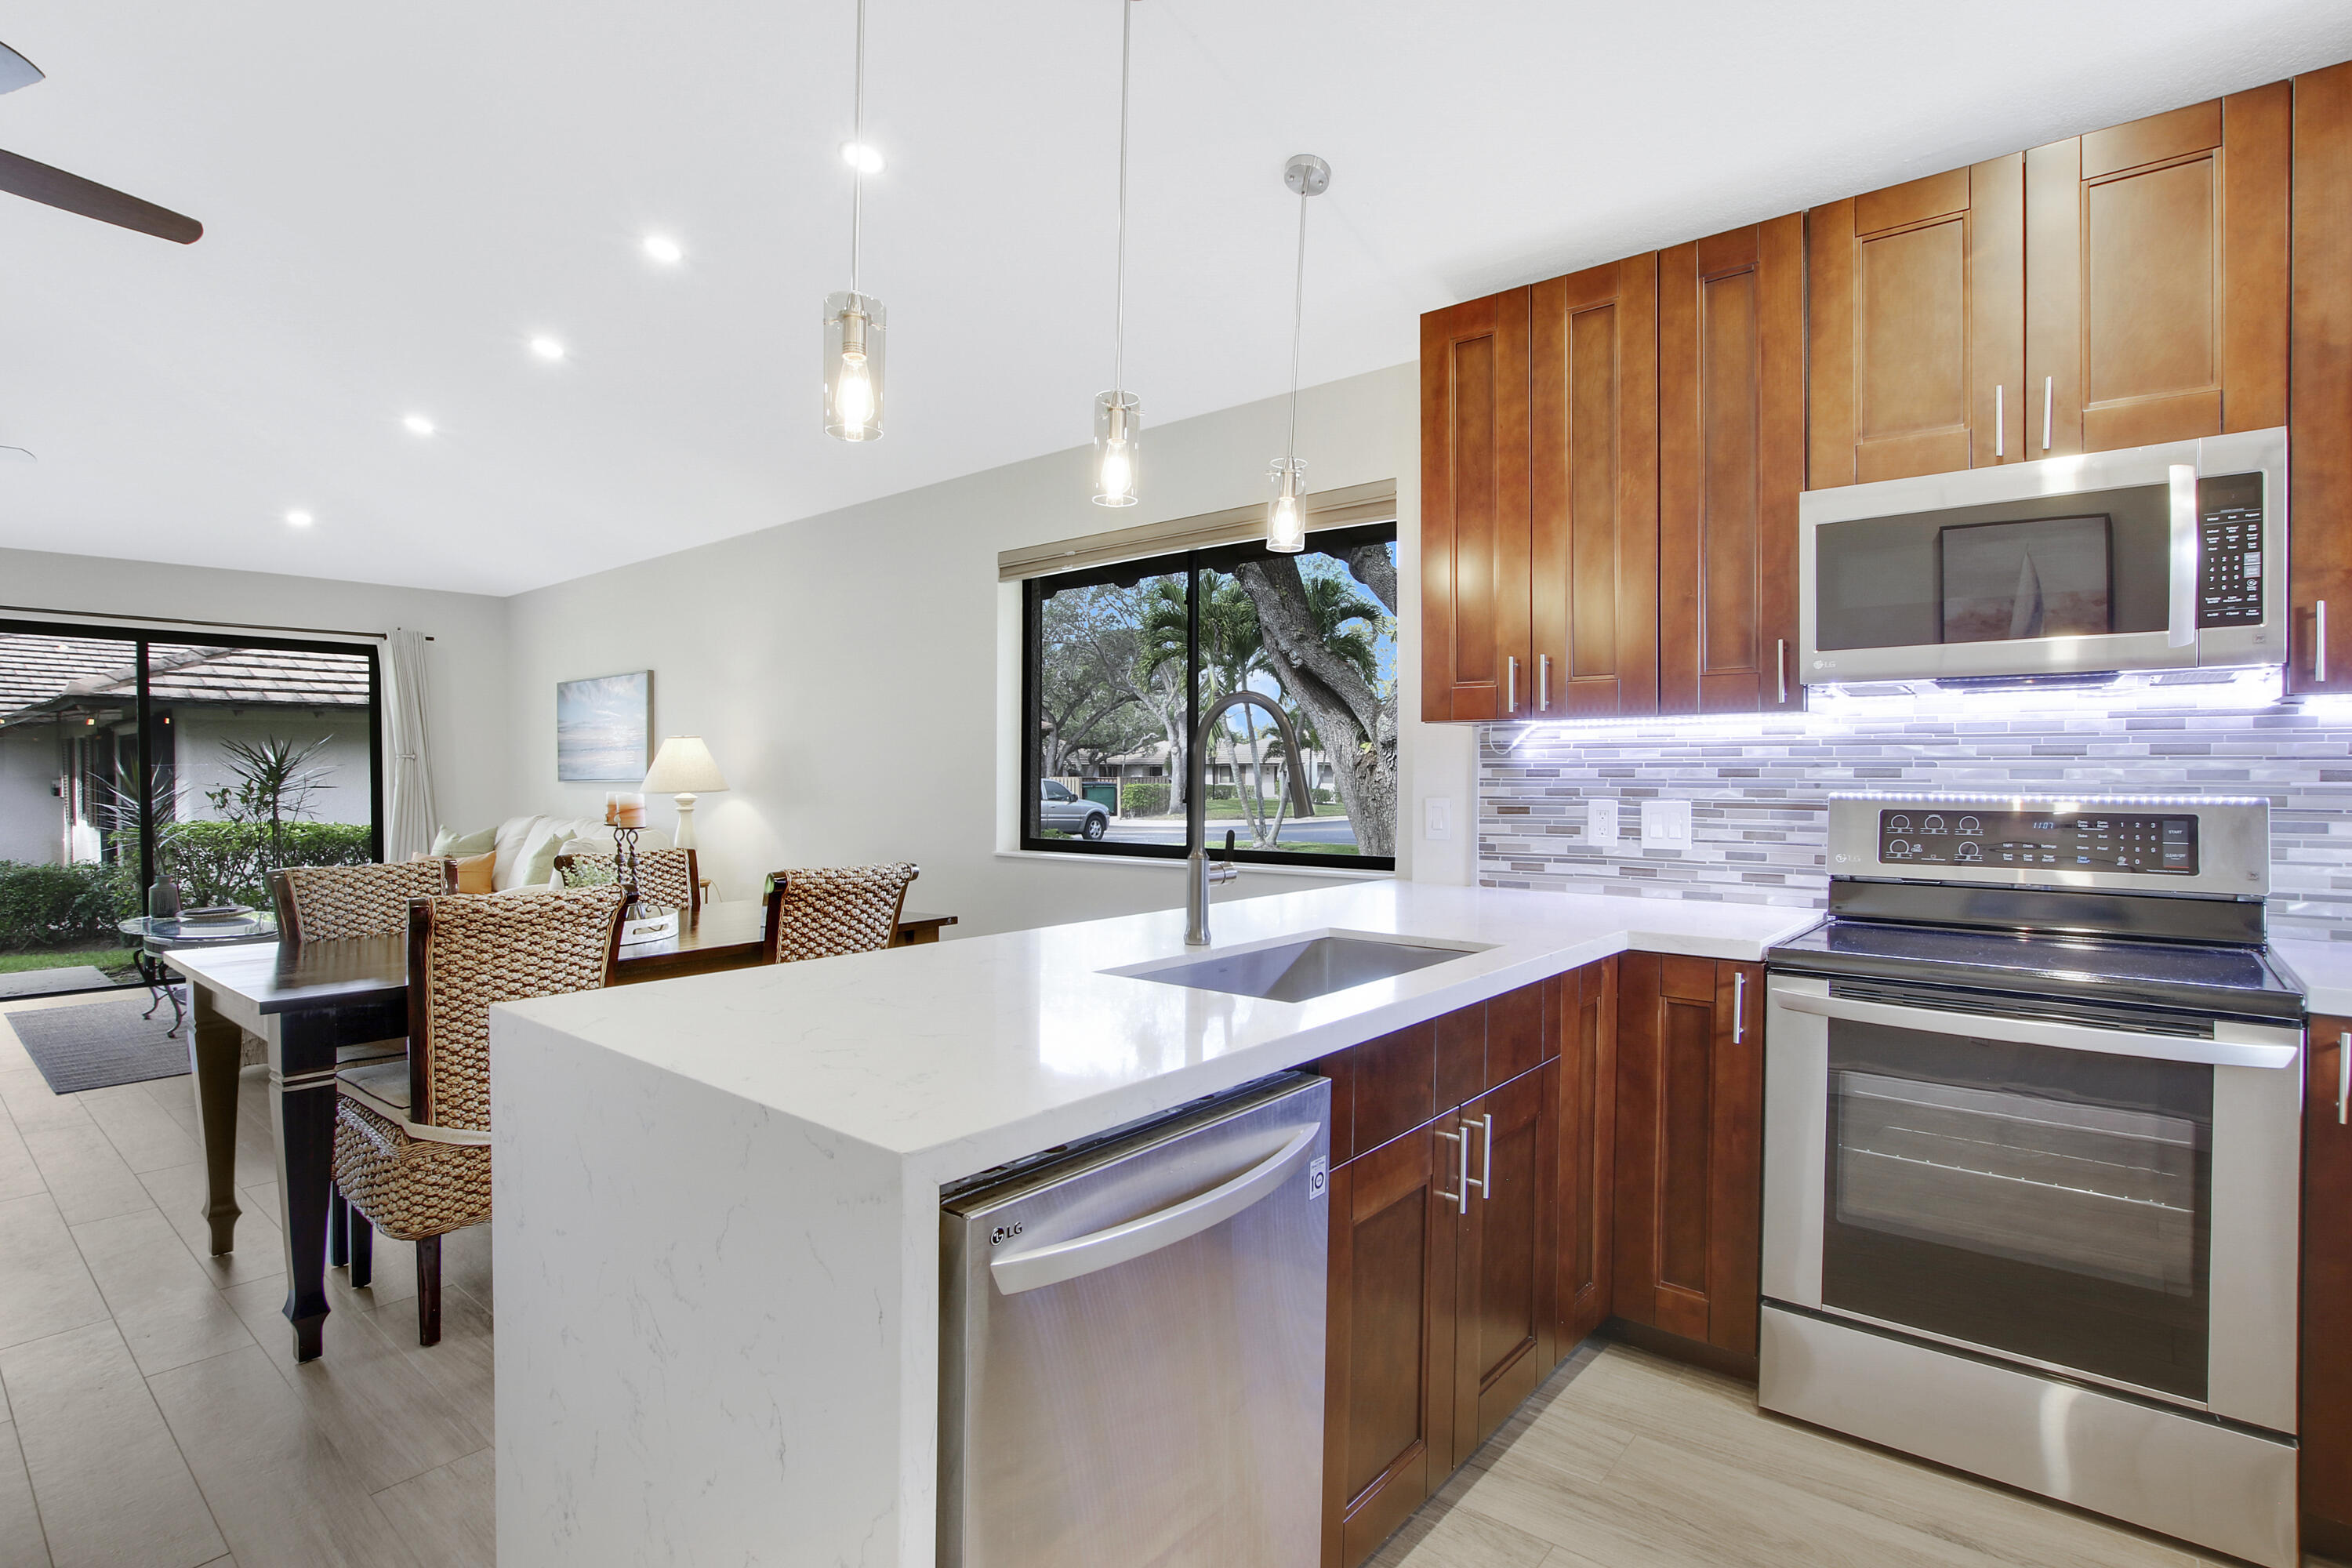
column 2035, row 1032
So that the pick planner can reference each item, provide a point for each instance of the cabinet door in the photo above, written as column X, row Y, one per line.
column 1389, row 1353
column 2327, row 1287
column 2319, row 448
column 1917, row 326
column 1473, row 505
column 1585, row 1017
column 1731, row 425
column 1690, row 1113
column 1594, row 489
column 1508, row 1141
column 2157, row 285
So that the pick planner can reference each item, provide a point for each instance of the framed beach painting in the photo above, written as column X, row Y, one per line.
column 603, row 728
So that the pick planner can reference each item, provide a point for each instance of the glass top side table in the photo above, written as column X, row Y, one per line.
column 157, row 935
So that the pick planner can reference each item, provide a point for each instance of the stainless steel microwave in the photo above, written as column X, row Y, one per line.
column 2166, row 557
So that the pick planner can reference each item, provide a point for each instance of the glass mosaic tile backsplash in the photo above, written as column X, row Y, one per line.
column 1757, row 785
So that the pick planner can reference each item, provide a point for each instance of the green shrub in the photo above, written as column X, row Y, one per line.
column 44, row 906
column 229, row 862
column 1148, row 798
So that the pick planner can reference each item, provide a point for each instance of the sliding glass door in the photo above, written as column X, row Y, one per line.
column 132, row 764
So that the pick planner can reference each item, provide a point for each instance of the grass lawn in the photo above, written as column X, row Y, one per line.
column 112, row 959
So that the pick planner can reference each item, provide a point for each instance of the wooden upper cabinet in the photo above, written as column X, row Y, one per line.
column 1594, row 494
column 1690, row 1119
column 2327, row 1425
column 2156, row 282
column 1917, row 326
column 2319, row 446
column 1473, row 505
column 1731, row 462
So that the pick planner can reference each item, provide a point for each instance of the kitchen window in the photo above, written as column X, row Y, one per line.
column 1121, row 657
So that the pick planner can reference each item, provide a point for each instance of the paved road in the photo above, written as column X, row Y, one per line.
column 1171, row 830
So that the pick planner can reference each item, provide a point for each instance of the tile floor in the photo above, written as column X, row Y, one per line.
column 151, row 1414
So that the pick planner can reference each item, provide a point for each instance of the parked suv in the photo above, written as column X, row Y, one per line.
column 1057, row 809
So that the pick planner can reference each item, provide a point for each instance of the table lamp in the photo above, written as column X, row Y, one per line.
column 684, row 768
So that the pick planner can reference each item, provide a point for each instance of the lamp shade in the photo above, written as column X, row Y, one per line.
column 683, row 766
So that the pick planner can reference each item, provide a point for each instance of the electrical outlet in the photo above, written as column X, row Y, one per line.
column 1601, row 823
column 1437, row 817
column 1665, row 825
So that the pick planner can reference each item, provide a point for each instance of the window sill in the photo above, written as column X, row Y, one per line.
column 1142, row 862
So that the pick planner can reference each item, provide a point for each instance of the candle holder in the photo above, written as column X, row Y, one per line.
column 625, row 868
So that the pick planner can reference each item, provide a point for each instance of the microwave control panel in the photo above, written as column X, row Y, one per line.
column 2099, row 841
column 2230, row 551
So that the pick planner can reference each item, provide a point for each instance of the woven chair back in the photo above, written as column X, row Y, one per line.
column 469, row 951
column 831, row 910
column 667, row 878
column 320, row 903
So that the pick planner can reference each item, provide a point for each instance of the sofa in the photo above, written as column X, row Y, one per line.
column 523, row 848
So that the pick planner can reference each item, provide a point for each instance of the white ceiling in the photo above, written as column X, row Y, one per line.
column 395, row 200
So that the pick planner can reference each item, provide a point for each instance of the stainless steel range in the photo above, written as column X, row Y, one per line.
column 2032, row 1109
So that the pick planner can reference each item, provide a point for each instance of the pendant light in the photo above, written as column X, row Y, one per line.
column 1285, row 516
column 854, row 323
column 1118, row 413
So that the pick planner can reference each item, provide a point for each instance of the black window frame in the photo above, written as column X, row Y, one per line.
column 1192, row 563
column 142, row 638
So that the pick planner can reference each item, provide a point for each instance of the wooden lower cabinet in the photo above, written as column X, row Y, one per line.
column 1585, row 1011
column 2326, row 1293
column 1507, row 1147
column 1690, row 1147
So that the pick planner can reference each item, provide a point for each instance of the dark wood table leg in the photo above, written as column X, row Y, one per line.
column 214, row 1046
column 303, row 1105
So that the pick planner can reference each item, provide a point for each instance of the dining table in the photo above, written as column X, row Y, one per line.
column 319, row 1007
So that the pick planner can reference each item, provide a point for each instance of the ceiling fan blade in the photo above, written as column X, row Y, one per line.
column 16, row 455
column 15, row 70
column 71, row 193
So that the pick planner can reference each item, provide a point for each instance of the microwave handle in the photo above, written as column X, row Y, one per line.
column 2037, row 1032
column 2181, row 632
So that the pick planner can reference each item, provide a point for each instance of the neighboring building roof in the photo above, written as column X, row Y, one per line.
column 46, row 672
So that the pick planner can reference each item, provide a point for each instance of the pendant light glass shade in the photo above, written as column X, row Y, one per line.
column 1118, row 448
column 1285, row 514
column 855, row 329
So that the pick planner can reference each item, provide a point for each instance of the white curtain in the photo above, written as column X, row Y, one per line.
column 412, row 813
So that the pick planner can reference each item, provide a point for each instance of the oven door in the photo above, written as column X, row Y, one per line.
column 2153, row 558
column 2075, row 1192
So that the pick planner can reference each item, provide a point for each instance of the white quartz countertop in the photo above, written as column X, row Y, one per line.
column 958, row 1056
column 2326, row 970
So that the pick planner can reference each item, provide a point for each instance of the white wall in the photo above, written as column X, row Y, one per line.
column 852, row 672
column 466, row 660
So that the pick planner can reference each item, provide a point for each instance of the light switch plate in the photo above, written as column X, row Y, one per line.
column 1437, row 817
column 1665, row 825
column 1601, row 823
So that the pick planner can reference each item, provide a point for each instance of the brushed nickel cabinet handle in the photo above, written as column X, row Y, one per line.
column 1511, row 683
column 2000, row 423
column 2049, row 384
column 1460, row 1195
column 1780, row 666
column 2344, row 1080
column 1486, row 1124
column 1543, row 683
column 1738, row 1005
column 2319, row 639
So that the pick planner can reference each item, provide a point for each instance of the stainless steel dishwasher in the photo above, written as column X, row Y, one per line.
column 1131, row 1344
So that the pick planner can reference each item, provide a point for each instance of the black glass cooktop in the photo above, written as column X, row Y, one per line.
column 2231, row 981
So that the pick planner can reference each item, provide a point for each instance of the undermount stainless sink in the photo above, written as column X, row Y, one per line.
column 1301, row 970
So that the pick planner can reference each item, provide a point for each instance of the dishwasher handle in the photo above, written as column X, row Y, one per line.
column 1062, row 1260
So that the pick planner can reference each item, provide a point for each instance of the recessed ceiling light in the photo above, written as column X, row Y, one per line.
column 864, row 157
column 547, row 348
column 418, row 424
column 299, row 518
column 664, row 249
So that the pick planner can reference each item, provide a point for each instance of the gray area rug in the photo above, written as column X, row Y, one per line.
column 101, row 1044
column 44, row 982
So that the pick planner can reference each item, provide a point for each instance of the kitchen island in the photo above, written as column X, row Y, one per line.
column 716, row 1199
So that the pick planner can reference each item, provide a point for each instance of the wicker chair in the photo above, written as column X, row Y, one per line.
column 670, row 879
column 413, row 1138
column 822, row 913
column 323, row 903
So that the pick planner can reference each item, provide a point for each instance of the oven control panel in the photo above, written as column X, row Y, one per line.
column 2091, row 840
